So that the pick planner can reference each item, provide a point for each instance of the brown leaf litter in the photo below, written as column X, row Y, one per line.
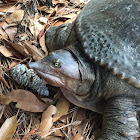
column 22, row 39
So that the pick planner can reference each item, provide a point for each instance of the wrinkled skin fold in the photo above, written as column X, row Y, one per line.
column 107, row 80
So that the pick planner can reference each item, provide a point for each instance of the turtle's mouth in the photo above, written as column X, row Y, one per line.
column 51, row 78
column 57, row 81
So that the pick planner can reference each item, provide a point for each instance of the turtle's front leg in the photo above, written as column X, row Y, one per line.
column 119, row 120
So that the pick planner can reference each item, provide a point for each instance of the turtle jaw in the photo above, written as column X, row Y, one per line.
column 55, row 78
column 69, row 86
column 51, row 79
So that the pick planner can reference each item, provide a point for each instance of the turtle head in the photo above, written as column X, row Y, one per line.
column 62, row 69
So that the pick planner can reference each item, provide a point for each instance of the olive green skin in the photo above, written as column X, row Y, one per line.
column 102, row 47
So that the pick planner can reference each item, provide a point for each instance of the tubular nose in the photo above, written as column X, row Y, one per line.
column 33, row 65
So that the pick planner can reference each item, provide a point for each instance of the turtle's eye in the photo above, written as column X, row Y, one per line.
column 56, row 63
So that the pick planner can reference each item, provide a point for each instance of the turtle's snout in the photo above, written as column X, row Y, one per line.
column 33, row 65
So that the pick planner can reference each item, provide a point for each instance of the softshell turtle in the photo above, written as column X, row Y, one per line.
column 98, row 67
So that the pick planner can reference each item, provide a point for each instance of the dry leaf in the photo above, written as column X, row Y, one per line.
column 40, row 34
column 2, row 32
column 45, row 9
column 21, row 49
column 35, row 53
column 5, row 51
column 55, row 1
column 14, row 52
column 36, row 26
column 8, row 128
column 25, row 100
column 54, row 138
column 71, row 20
column 78, row 137
column 43, row 45
column 80, row 115
column 62, row 108
column 35, row 123
column 7, row 7
column 14, row 63
column 11, row 32
column 21, row 37
column 16, row 16
column 59, row 133
column 43, row 20
column 71, row 15
column 4, row 81
column 58, row 23
column 47, row 121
